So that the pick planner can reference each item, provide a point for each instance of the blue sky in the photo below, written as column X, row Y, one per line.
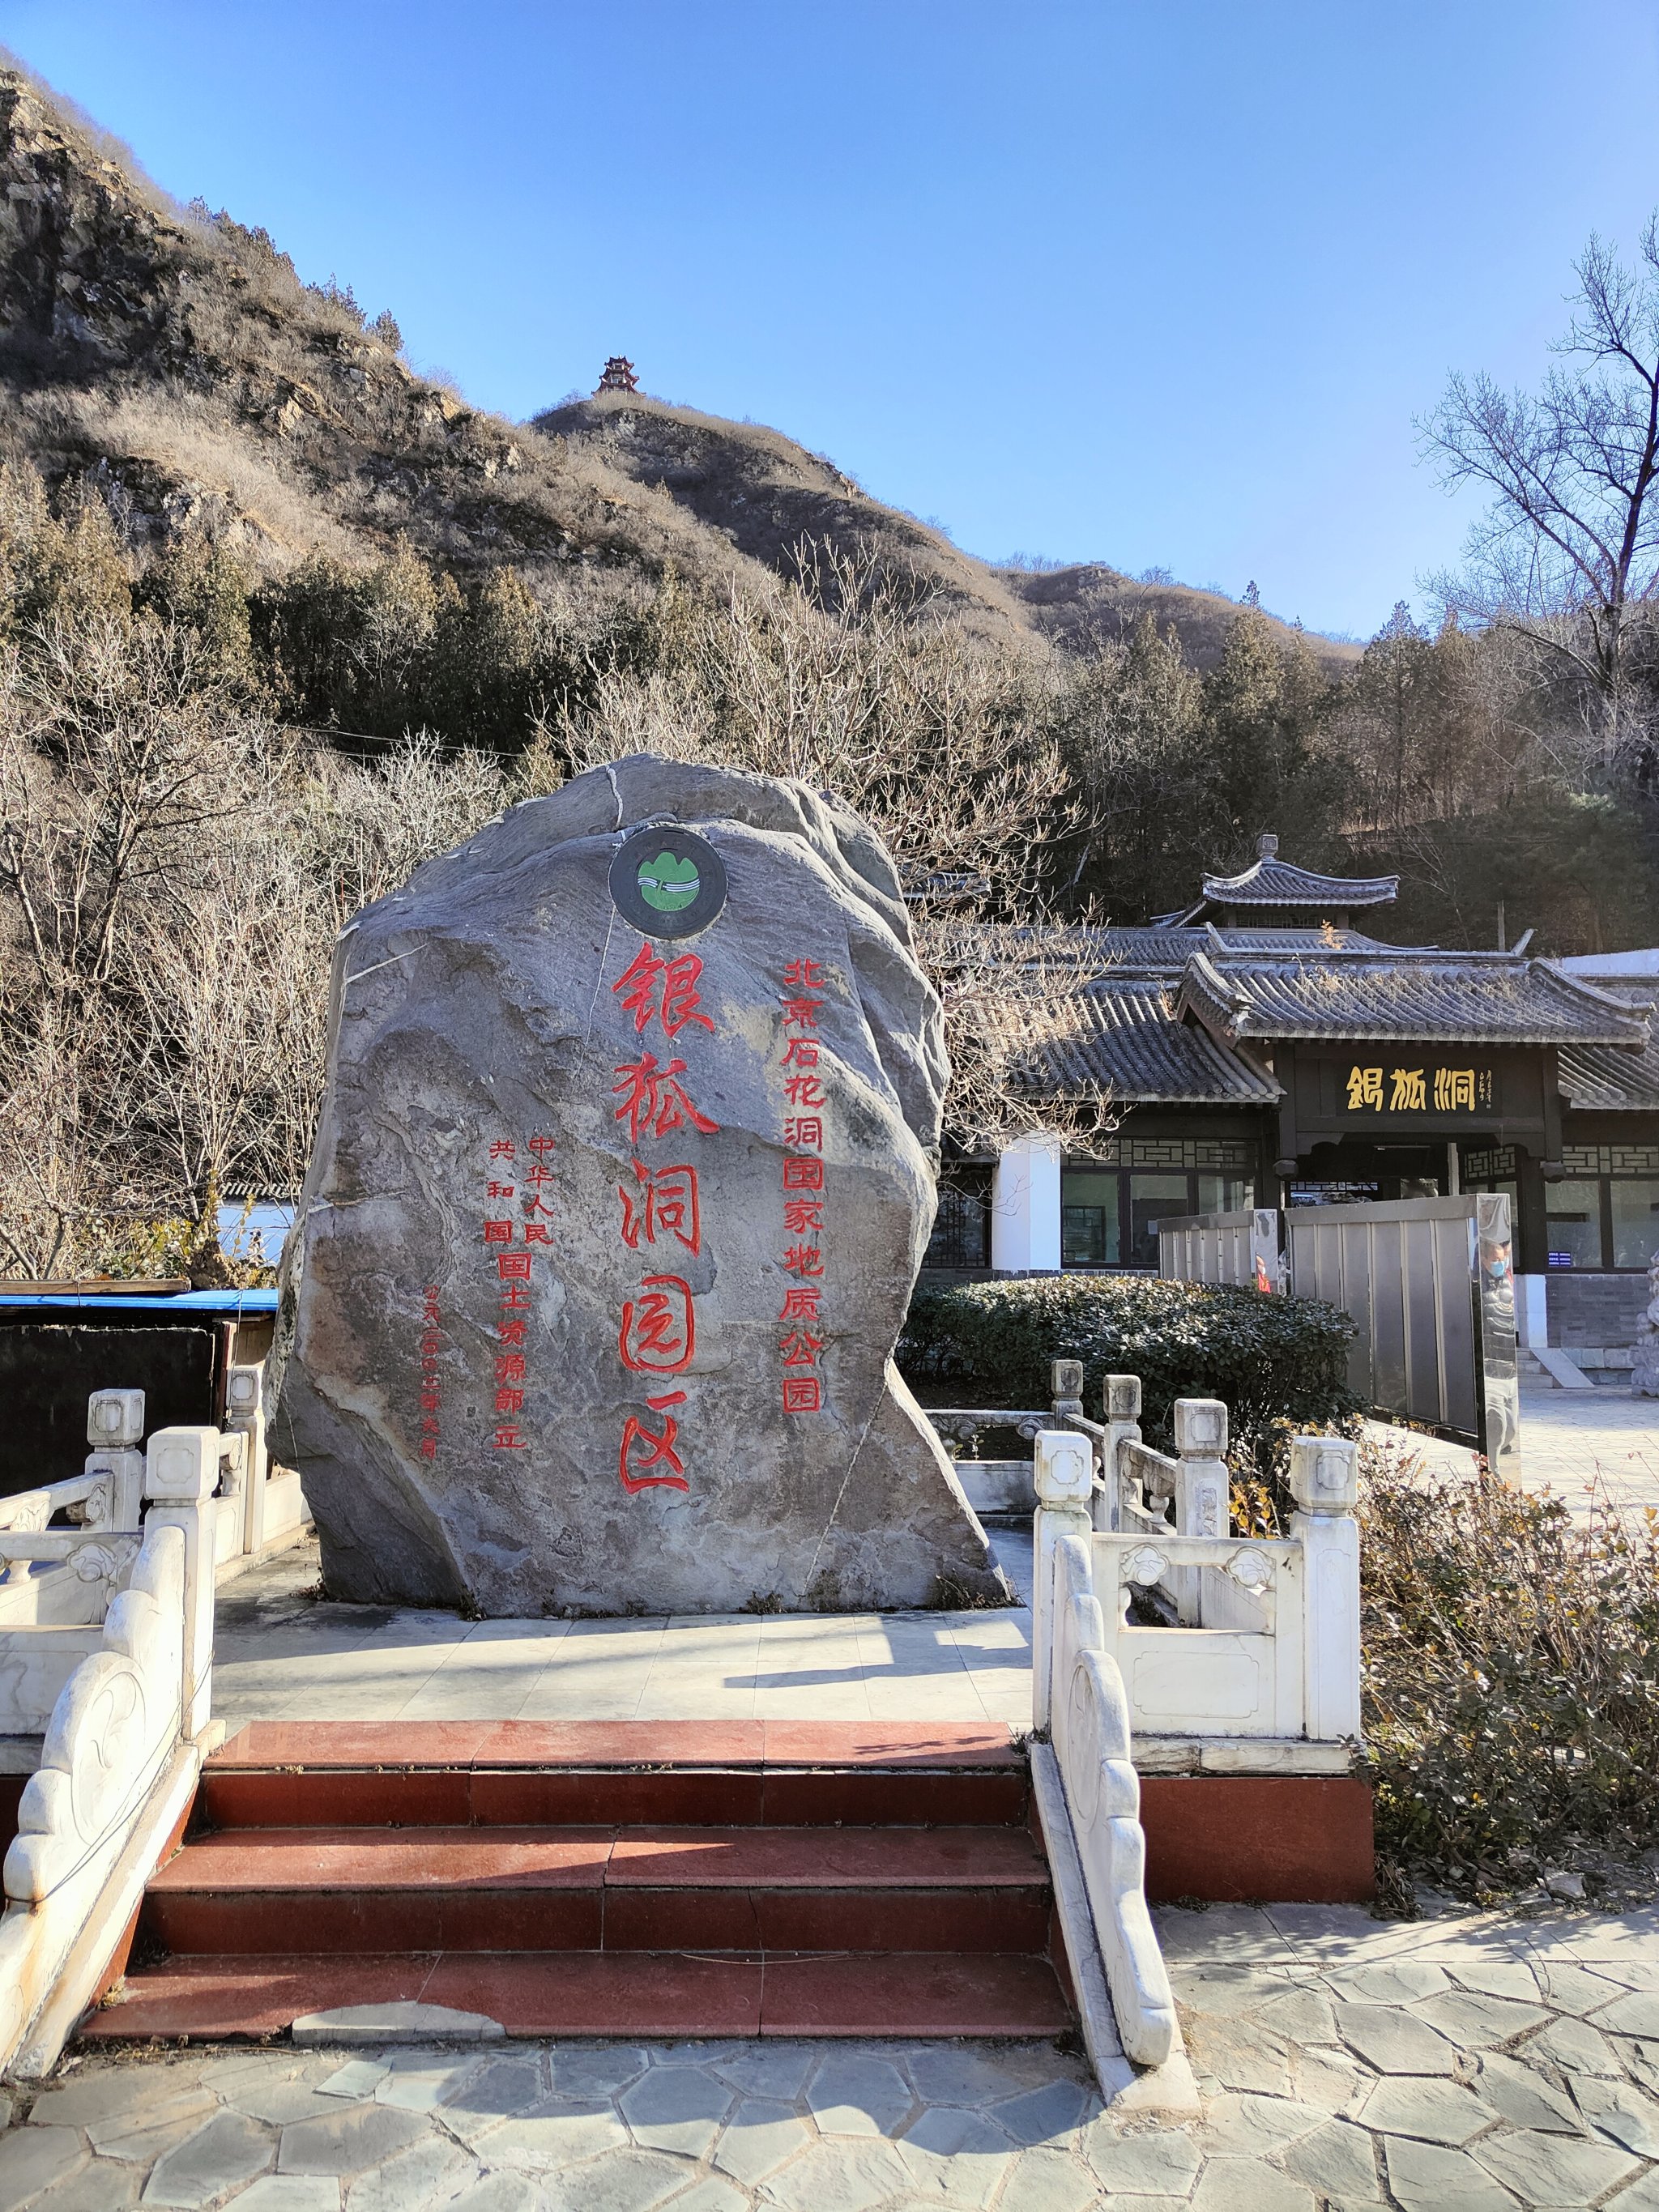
column 1157, row 284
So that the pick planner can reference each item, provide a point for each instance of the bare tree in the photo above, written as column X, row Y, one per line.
column 850, row 680
column 1009, row 994
column 114, row 755
column 50, row 1183
column 365, row 827
column 1568, row 555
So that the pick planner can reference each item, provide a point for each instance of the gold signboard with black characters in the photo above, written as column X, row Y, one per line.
column 1430, row 1088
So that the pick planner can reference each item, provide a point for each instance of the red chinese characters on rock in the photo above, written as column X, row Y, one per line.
column 665, row 1203
column 642, row 1448
column 654, row 1100
column 667, row 988
column 799, row 1347
column 511, row 1236
column 658, row 1328
column 432, row 1344
column 657, row 1334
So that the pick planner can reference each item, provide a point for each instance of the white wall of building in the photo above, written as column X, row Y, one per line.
column 1025, row 1206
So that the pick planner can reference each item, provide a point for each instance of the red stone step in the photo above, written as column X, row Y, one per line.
column 923, row 1994
column 605, row 1878
column 381, row 1890
column 517, row 1774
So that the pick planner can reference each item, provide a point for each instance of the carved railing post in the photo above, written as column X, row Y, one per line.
column 1325, row 1483
column 1122, row 1410
column 1201, row 1434
column 1200, row 1489
column 244, row 1415
column 1066, row 1380
column 180, row 1475
column 1063, row 1471
column 115, row 1428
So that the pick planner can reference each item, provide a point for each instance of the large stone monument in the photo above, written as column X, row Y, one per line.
column 620, row 1189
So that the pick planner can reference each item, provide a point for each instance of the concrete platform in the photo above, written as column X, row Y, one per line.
column 284, row 1654
column 281, row 1654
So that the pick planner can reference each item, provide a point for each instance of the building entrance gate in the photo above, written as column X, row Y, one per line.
column 1428, row 1281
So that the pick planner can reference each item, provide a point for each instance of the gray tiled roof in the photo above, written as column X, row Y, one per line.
column 1122, row 1037
column 1274, row 882
column 1162, row 948
column 1171, row 947
column 1481, row 998
column 1600, row 1078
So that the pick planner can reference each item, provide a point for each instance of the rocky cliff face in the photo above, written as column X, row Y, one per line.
column 181, row 359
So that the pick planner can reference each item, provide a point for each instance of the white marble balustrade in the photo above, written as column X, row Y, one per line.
column 116, row 1701
column 1243, row 1655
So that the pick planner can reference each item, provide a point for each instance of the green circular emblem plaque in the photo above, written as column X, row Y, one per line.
column 667, row 882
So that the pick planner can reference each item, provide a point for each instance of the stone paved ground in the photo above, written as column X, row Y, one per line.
column 1467, row 2065
column 1571, row 1440
column 281, row 1654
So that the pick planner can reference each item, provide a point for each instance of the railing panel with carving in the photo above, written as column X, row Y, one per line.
column 121, row 1732
column 961, row 1424
column 1207, row 1678
column 60, row 1578
column 1102, row 1796
column 110, row 1729
column 1266, row 1650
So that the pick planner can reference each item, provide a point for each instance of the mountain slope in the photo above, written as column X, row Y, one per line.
column 1087, row 601
column 177, row 360
column 182, row 360
column 766, row 495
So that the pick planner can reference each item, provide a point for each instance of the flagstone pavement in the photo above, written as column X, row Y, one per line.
column 1458, row 2064
column 1571, row 1442
column 1469, row 2064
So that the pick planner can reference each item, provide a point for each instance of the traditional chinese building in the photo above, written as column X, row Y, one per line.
column 618, row 374
column 1263, row 1047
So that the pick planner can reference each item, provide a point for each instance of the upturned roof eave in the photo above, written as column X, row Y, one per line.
column 1215, row 989
column 1270, row 881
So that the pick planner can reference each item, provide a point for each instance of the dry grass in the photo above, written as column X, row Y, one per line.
column 764, row 494
column 1511, row 1680
column 1087, row 602
column 268, row 513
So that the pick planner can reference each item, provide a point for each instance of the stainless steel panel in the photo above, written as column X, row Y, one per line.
column 1434, row 1315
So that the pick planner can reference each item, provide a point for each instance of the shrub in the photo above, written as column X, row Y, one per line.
column 1269, row 1358
column 1511, row 1677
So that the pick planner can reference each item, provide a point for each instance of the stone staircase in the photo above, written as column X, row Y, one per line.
column 605, row 1878
column 1595, row 1367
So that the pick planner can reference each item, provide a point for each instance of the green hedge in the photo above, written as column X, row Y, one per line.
column 1269, row 1358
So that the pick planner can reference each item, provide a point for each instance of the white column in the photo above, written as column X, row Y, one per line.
column 181, row 1474
column 1267, row 1269
column 1532, row 1309
column 245, row 1414
column 1325, row 1483
column 1201, row 1492
column 1121, row 1408
column 1025, row 1207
